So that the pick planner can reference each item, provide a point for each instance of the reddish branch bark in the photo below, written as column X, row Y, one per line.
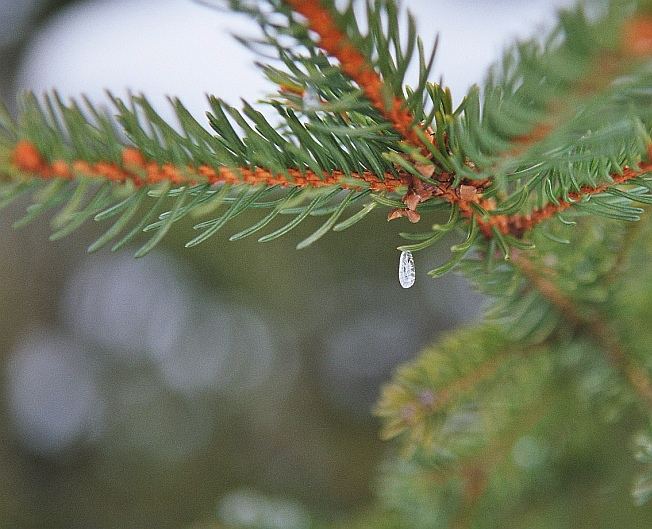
column 137, row 169
column 356, row 66
column 517, row 225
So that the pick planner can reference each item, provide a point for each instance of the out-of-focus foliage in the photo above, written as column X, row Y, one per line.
column 499, row 426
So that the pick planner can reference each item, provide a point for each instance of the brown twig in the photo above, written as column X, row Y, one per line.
column 135, row 168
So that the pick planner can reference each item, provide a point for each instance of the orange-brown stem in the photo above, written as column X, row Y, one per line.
column 356, row 66
column 135, row 168
column 517, row 225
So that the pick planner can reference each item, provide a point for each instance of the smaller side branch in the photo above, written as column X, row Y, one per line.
column 356, row 66
column 597, row 328
column 517, row 225
column 429, row 402
column 635, row 44
column 476, row 471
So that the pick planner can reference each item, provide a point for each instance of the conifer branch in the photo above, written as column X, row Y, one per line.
column 606, row 67
column 430, row 389
column 356, row 66
column 141, row 172
column 518, row 224
column 598, row 329
column 136, row 169
column 447, row 395
column 470, row 470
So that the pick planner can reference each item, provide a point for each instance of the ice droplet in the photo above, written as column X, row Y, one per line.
column 406, row 271
column 311, row 101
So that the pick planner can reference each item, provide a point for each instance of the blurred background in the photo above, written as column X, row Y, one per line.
column 231, row 383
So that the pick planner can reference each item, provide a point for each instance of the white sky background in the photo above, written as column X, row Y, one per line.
column 177, row 47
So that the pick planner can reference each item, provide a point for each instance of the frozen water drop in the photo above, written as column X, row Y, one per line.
column 311, row 101
column 406, row 271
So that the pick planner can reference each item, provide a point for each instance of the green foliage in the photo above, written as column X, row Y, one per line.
column 518, row 402
column 493, row 419
column 80, row 138
column 594, row 128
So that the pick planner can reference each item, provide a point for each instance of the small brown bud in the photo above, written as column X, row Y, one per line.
column 412, row 216
column 426, row 170
column 395, row 214
column 427, row 398
column 412, row 200
column 469, row 193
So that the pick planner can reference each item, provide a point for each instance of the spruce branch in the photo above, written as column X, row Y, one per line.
column 575, row 109
column 356, row 66
column 458, row 411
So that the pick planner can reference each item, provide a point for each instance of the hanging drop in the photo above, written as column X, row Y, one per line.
column 406, row 271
